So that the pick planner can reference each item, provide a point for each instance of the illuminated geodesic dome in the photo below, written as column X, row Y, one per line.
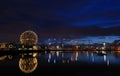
column 28, row 65
column 28, row 38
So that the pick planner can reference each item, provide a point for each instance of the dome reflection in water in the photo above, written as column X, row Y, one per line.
column 28, row 64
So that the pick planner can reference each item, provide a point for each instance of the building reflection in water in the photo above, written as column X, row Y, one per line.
column 3, row 58
column 81, row 56
column 28, row 64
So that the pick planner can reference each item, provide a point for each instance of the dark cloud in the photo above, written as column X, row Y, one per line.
column 59, row 18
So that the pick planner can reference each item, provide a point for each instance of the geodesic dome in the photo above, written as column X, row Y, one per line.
column 28, row 38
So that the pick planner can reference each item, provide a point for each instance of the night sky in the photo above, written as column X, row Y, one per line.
column 59, row 18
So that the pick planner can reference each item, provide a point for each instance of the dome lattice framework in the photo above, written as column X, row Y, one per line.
column 28, row 38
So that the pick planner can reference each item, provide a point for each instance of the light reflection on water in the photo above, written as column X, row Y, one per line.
column 87, row 57
column 28, row 62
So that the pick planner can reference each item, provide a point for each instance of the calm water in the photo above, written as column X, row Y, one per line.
column 71, row 63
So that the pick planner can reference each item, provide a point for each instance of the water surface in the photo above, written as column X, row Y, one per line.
column 70, row 63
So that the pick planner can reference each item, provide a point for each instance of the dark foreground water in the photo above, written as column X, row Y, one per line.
column 62, row 63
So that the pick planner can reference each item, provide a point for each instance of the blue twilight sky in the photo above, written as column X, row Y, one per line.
column 59, row 18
